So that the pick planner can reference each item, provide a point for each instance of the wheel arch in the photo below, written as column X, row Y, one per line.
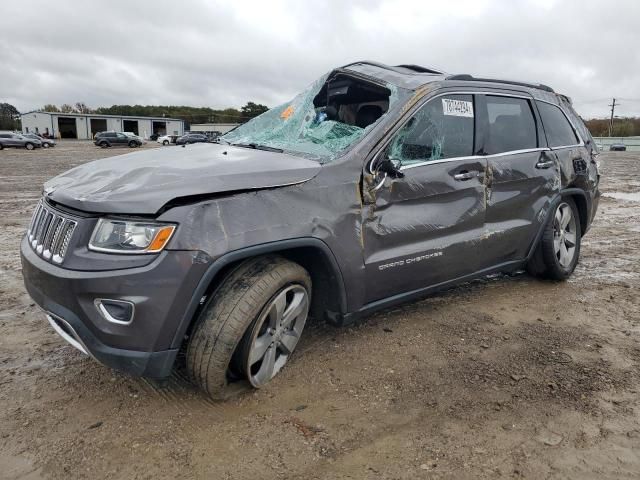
column 580, row 198
column 328, row 295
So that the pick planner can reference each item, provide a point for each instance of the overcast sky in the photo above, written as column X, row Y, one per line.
column 223, row 54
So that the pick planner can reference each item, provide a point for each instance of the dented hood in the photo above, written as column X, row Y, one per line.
column 143, row 182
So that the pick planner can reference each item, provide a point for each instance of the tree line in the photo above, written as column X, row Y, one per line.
column 622, row 127
column 188, row 114
column 10, row 117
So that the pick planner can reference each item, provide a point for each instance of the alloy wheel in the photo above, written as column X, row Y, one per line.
column 564, row 235
column 276, row 334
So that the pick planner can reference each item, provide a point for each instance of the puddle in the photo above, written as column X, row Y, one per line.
column 628, row 196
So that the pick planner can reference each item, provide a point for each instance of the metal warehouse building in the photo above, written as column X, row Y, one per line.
column 85, row 126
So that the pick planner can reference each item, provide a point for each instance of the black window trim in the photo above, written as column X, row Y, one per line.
column 575, row 130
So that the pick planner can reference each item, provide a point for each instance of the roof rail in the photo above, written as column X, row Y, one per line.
column 420, row 69
column 467, row 77
column 415, row 68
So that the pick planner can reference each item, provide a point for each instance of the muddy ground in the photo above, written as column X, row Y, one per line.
column 509, row 377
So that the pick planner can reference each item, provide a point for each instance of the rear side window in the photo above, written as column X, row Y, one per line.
column 556, row 126
column 442, row 128
column 511, row 125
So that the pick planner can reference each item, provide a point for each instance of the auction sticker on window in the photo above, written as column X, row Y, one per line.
column 457, row 108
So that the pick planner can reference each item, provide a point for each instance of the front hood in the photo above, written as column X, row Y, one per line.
column 143, row 182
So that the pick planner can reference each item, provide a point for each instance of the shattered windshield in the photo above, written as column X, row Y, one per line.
column 322, row 121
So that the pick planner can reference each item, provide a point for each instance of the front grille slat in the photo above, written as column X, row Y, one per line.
column 50, row 232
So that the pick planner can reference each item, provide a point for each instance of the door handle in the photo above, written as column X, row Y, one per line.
column 464, row 176
column 545, row 161
column 545, row 164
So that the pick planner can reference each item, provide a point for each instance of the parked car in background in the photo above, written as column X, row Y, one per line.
column 192, row 138
column 46, row 142
column 376, row 185
column 17, row 140
column 167, row 139
column 111, row 139
column 154, row 136
column 136, row 136
column 617, row 147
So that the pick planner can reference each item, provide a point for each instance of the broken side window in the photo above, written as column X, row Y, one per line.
column 442, row 128
column 320, row 123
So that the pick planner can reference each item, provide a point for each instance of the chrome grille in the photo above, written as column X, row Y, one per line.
column 50, row 233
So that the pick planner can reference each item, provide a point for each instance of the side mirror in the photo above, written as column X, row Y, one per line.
column 387, row 167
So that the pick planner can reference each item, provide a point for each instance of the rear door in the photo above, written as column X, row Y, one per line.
column 121, row 138
column 426, row 228
column 522, row 175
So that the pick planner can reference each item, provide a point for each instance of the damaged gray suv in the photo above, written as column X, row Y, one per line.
column 374, row 186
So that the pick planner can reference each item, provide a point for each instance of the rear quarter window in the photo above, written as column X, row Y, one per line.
column 557, row 128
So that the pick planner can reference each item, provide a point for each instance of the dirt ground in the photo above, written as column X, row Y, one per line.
column 508, row 377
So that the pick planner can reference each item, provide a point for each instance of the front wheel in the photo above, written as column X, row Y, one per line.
column 133, row 144
column 45, row 145
column 251, row 325
column 29, row 146
column 165, row 142
column 557, row 254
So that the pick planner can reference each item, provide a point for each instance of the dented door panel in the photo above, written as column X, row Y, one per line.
column 518, row 191
column 420, row 229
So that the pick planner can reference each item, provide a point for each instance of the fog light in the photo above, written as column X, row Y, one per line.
column 115, row 311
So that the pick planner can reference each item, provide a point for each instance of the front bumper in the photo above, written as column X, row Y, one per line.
column 161, row 292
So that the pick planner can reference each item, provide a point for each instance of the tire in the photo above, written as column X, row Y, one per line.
column 1, row 146
column 104, row 144
column 550, row 260
column 45, row 145
column 230, row 321
column 133, row 144
column 165, row 143
column 29, row 146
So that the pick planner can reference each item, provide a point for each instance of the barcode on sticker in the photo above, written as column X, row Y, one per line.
column 457, row 108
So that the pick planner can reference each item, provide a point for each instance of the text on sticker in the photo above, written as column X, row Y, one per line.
column 457, row 108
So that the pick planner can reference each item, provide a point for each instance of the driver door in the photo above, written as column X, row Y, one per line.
column 426, row 227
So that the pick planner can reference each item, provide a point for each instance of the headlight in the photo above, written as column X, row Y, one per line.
column 122, row 236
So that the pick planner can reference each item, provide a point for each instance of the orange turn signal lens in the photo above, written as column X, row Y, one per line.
column 161, row 239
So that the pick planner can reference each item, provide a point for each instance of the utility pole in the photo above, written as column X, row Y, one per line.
column 613, row 108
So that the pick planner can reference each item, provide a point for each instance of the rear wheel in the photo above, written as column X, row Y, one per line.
column 29, row 146
column 165, row 142
column 45, row 145
column 251, row 325
column 559, row 250
column 1, row 146
column 104, row 144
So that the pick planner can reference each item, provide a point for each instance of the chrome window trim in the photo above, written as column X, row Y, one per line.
column 472, row 157
column 476, row 157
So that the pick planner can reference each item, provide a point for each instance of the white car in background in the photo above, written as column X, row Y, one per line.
column 167, row 139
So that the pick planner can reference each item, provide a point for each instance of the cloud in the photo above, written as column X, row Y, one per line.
column 223, row 54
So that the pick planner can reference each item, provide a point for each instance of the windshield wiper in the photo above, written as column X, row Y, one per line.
column 257, row 146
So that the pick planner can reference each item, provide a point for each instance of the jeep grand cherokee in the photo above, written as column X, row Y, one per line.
column 375, row 185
